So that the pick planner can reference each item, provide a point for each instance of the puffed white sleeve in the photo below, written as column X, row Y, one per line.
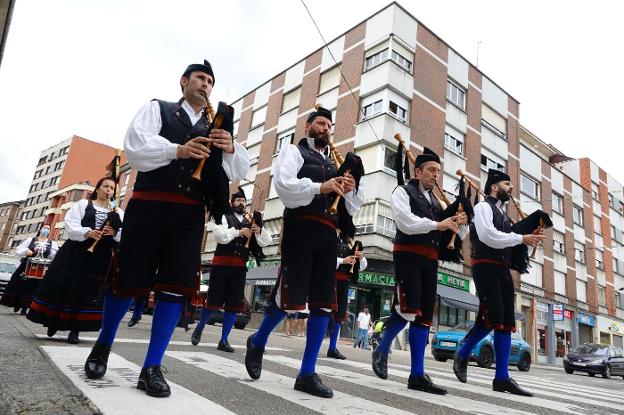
column 117, row 236
column 75, row 231
column 53, row 250
column 22, row 248
column 487, row 233
column 236, row 165
column 264, row 239
column 404, row 219
column 293, row 191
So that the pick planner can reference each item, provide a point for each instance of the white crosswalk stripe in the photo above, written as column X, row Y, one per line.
column 282, row 386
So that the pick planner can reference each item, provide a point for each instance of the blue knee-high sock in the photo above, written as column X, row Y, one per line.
column 333, row 338
column 272, row 317
column 166, row 316
column 418, row 336
column 137, row 313
column 474, row 336
column 115, row 309
column 203, row 318
column 317, row 326
column 229, row 317
column 394, row 326
column 502, row 347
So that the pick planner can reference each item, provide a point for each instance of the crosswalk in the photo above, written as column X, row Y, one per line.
column 356, row 389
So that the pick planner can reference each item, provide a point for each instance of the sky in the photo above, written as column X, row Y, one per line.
column 85, row 67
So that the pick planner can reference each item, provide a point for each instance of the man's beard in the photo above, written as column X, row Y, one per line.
column 320, row 140
column 239, row 209
column 502, row 195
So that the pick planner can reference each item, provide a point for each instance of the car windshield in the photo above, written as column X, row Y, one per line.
column 6, row 267
column 463, row 326
column 594, row 349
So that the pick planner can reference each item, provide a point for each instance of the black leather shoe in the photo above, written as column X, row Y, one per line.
column 380, row 364
column 253, row 359
column 196, row 336
column 313, row 385
column 72, row 338
column 424, row 383
column 95, row 366
column 509, row 385
column 335, row 354
column 460, row 367
column 51, row 331
column 16, row 309
column 152, row 381
column 133, row 322
column 24, row 311
column 224, row 346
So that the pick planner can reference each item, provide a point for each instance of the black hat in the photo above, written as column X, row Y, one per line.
column 320, row 112
column 494, row 176
column 205, row 67
column 239, row 193
column 427, row 155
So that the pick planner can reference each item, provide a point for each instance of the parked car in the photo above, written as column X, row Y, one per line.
column 595, row 359
column 8, row 265
column 445, row 343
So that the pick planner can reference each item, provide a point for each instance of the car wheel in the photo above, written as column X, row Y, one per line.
column 606, row 373
column 525, row 363
column 486, row 357
column 569, row 371
column 440, row 358
column 591, row 375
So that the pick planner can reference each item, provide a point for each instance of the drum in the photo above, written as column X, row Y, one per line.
column 36, row 268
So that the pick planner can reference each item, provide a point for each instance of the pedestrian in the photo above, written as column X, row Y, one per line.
column 364, row 323
column 238, row 236
column 164, row 223
column 291, row 319
column 70, row 295
column 302, row 318
column 492, row 240
column 307, row 182
column 138, row 304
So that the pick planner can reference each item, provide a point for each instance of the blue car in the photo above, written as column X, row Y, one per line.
column 445, row 343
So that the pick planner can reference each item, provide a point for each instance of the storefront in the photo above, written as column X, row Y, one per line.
column 586, row 326
column 564, row 321
column 541, row 326
column 455, row 302
column 611, row 331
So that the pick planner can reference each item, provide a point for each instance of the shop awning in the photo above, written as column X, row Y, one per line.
column 262, row 275
column 452, row 297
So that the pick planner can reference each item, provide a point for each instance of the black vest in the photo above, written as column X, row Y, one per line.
column 502, row 223
column 46, row 251
column 343, row 252
column 319, row 170
column 237, row 245
column 422, row 208
column 88, row 220
column 176, row 176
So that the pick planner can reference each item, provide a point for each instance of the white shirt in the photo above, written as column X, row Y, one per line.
column 75, row 231
column 22, row 249
column 410, row 224
column 224, row 235
column 363, row 263
column 146, row 150
column 295, row 192
column 364, row 320
column 487, row 233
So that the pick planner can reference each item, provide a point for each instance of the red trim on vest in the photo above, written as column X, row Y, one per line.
column 422, row 250
column 477, row 261
column 229, row 260
column 320, row 219
column 171, row 197
column 342, row 276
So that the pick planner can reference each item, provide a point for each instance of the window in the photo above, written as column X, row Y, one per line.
column 451, row 316
column 488, row 163
column 618, row 300
column 366, row 228
column 529, row 186
column 601, row 295
column 558, row 243
column 616, row 265
column 557, row 203
column 398, row 111
column 581, row 290
column 284, row 140
column 454, row 143
column 77, row 196
column 389, row 155
column 611, row 203
column 577, row 215
column 455, row 94
column 579, row 253
column 372, row 109
column 386, row 226
column 594, row 191
column 402, row 61
column 376, row 59
column 599, row 264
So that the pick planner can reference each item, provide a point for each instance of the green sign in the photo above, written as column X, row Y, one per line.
column 376, row 278
column 251, row 263
column 452, row 281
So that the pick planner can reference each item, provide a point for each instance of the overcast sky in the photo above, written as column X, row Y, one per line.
column 85, row 67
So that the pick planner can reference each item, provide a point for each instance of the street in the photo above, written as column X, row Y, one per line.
column 40, row 375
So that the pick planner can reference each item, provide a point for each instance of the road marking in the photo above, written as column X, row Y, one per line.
column 173, row 342
column 282, row 386
column 455, row 384
column 450, row 401
column 116, row 393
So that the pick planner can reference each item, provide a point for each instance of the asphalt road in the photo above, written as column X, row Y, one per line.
column 39, row 375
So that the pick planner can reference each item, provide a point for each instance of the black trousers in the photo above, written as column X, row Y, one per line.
column 342, row 294
column 496, row 293
column 227, row 288
column 416, row 286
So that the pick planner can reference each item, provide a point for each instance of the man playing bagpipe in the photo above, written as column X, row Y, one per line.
column 349, row 262
column 420, row 223
column 237, row 237
column 494, row 240
column 307, row 182
column 164, row 222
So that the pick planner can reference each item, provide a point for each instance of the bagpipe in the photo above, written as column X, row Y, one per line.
column 351, row 164
column 354, row 272
column 537, row 221
column 254, row 218
column 450, row 244
column 209, row 171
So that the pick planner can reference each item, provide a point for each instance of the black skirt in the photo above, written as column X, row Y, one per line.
column 19, row 291
column 70, row 297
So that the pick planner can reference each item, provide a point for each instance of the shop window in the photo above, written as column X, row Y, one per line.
column 261, row 298
column 451, row 316
column 543, row 341
column 605, row 338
